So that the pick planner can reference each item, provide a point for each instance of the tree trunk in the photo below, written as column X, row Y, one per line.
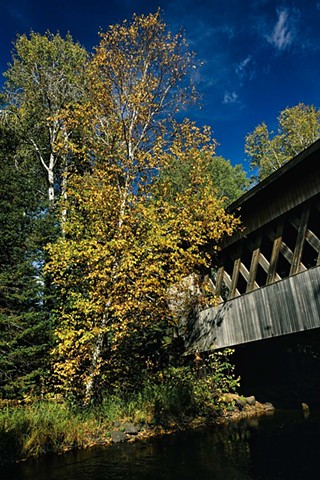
column 90, row 385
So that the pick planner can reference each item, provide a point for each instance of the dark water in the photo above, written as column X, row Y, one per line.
column 283, row 446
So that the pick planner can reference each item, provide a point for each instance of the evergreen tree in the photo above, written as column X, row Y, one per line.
column 45, row 76
column 24, row 322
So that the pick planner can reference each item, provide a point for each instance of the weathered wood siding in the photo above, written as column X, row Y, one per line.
column 287, row 306
column 294, row 183
column 268, row 276
column 288, row 245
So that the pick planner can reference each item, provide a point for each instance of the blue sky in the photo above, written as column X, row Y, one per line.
column 259, row 56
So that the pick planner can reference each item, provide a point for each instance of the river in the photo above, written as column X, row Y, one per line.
column 285, row 445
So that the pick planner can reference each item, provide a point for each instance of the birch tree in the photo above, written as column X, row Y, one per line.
column 298, row 128
column 125, row 243
column 45, row 76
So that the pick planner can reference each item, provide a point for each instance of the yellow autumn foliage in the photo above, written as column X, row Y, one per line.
column 128, row 239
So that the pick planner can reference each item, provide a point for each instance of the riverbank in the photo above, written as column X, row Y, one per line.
column 29, row 431
column 254, row 448
column 171, row 399
column 236, row 408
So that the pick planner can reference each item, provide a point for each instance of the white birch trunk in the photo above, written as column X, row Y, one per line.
column 98, row 347
column 96, row 357
column 51, row 182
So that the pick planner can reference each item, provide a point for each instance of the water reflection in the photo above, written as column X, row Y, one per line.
column 284, row 446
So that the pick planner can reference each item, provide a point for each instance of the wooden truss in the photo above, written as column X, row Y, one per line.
column 284, row 247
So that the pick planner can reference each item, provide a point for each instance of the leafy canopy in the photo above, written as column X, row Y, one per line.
column 46, row 76
column 126, row 242
column 298, row 127
column 229, row 182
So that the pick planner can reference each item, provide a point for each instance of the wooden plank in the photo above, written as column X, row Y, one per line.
column 227, row 279
column 313, row 240
column 234, row 281
column 285, row 307
column 272, row 273
column 254, row 265
column 296, row 265
column 235, row 275
column 219, row 280
column 244, row 272
column 264, row 262
column 286, row 252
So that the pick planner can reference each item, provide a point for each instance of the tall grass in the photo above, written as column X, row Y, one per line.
column 175, row 396
column 42, row 427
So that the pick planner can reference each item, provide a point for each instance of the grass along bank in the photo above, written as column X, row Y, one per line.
column 176, row 398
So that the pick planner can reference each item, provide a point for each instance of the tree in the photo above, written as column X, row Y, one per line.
column 229, row 182
column 298, row 127
column 46, row 75
column 126, row 242
column 109, row 320
column 25, row 328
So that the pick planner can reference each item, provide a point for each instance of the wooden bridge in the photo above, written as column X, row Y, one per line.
column 268, row 280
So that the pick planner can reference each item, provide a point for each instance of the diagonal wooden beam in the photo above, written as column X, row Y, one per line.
column 310, row 236
column 313, row 240
column 227, row 279
column 219, row 280
column 284, row 249
column 297, row 265
column 235, row 276
column 244, row 272
column 234, row 292
column 277, row 242
column 252, row 284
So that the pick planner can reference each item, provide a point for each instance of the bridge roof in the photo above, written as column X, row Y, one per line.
column 291, row 185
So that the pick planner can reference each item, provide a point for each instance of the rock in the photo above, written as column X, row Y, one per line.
column 251, row 400
column 130, row 428
column 240, row 402
column 117, row 436
column 269, row 407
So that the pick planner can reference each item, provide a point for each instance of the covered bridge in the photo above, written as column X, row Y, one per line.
column 268, row 280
